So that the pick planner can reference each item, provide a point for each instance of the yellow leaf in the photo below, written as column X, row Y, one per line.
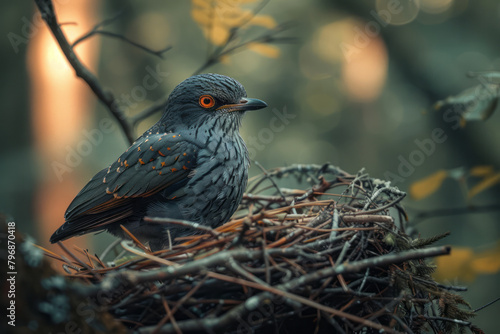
column 201, row 17
column 218, row 34
column 463, row 122
column 232, row 17
column 426, row 186
column 487, row 262
column 205, row 4
column 218, row 17
column 225, row 60
column 456, row 265
column 233, row 2
column 265, row 49
column 481, row 171
column 264, row 21
column 486, row 183
column 465, row 265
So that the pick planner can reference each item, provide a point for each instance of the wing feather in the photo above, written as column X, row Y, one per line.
column 155, row 162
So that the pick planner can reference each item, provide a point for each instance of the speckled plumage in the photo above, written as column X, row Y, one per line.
column 191, row 165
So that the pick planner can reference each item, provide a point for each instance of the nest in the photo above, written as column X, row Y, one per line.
column 333, row 257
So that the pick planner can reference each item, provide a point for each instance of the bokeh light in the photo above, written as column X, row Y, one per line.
column 397, row 12
column 365, row 73
column 59, row 109
column 435, row 6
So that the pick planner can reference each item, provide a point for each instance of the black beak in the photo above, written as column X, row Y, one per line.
column 245, row 104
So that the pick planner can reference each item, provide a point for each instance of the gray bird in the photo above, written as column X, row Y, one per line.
column 191, row 165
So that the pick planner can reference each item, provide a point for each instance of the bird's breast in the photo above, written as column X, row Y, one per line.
column 215, row 189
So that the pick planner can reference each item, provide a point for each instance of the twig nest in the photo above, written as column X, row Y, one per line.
column 330, row 256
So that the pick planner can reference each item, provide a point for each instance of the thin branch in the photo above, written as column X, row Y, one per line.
column 364, row 218
column 266, row 175
column 222, row 51
column 454, row 211
column 381, row 208
column 159, row 106
column 49, row 16
column 158, row 53
column 96, row 27
column 185, row 223
column 256, row 11
column 456, row 321
column 489, row 304
column 96, row 31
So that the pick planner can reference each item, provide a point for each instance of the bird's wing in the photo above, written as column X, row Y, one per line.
column 153, row 163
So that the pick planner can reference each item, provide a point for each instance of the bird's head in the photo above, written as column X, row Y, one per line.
column 209, row 99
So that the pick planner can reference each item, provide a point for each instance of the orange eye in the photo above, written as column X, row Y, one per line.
column 206, row 101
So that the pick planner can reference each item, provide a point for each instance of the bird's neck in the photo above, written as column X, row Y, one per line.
column 228, row 123
column 225, row 125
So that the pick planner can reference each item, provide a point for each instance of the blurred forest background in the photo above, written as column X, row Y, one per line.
column 354, row 83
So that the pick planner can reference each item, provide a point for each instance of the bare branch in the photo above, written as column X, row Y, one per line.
column 106, row 97
column 184, row 223
column 158, row 53
column 224, row 50
column 159, row 106
column 419, row 217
